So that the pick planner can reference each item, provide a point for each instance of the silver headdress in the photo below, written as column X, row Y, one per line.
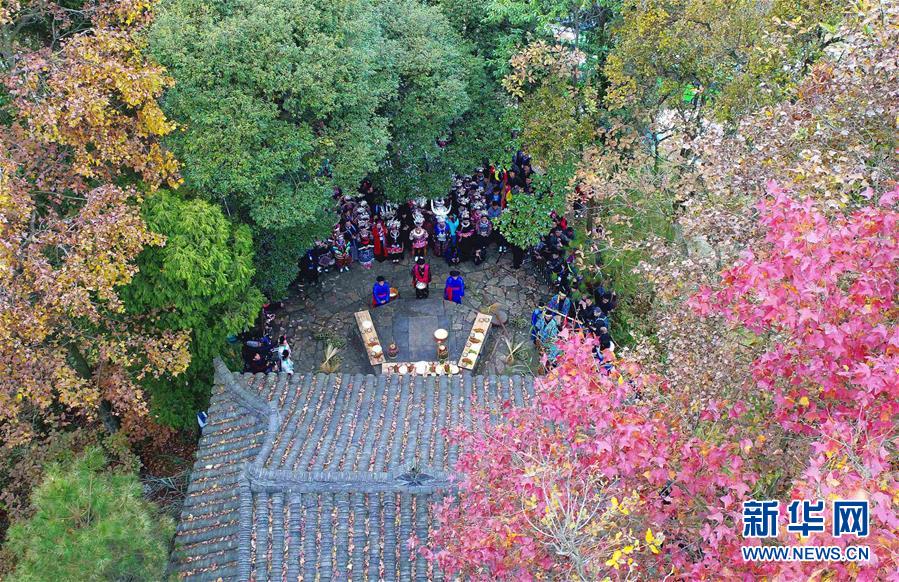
column 438, row 207
column 417, row 218
column 389, row 210
column 393, row 224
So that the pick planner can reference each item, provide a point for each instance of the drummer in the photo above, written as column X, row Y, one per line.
column 421, row 277
column 380, row 292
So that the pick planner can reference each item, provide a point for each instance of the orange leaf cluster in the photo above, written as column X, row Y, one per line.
column 84, row 121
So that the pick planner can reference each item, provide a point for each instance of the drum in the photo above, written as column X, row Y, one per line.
column 394, row 293
column 421, row 285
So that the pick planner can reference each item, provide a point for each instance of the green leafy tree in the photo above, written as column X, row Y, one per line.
column 527, row 218
column 279, row 101
column 557, row 105
column 546, row 55
column 486, row 132
column 90, row 523
column 432, row 67
column 276, row 251
column 201, row 281
column 500, row 28
column 279, row 98
column 680, row 57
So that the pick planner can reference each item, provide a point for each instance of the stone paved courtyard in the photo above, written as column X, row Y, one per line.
column 326, row 315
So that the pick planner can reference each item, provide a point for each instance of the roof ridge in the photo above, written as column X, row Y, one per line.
column 252, row 403
column 263, row 410
column 249, row 518
column 286, row 477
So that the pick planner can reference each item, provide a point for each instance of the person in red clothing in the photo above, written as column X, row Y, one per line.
column 421, row 277
column 379, row 238
column 558, row 220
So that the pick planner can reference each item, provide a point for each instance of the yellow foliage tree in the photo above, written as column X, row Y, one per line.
column 84, row 120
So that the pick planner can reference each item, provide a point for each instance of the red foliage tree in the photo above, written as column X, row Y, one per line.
column 603, row 476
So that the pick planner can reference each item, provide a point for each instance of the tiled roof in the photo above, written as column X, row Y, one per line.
column 324, row 476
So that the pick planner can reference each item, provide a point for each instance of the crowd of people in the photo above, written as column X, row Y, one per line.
column 260, row 355
column 576, row 303
column 459, row 227
column 590, row 314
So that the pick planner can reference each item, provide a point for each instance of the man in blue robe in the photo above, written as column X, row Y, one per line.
column 455, row 287
column 547, row 334
column 559, row 304
column 380, row 293
column 537, row 320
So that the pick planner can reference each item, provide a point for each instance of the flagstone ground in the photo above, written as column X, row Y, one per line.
column 324, row 314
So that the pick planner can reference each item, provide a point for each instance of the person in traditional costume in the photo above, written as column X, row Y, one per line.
column 395, row 248
column 380, row 292
column 484, row 232
column 379, row 238
column 451, row 254
column 419, row 237
column 389, row 211
column 441, row 236
column 350, row 230
column 477, row 209
column 441, row 232
column 366, row 251
column 363, row 216
column 453, row 224
column 455, row 287
column 466, row 239
column 421, row 278
column 342, row 252
column 325, row 256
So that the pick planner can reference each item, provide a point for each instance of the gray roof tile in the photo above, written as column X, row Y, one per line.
column 302, row 479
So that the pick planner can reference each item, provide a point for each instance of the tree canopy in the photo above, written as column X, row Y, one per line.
column 200, row 282
column 281, row 102
column 611, row 473
column 81, row 127
column 90, row 523
column 731, row 166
